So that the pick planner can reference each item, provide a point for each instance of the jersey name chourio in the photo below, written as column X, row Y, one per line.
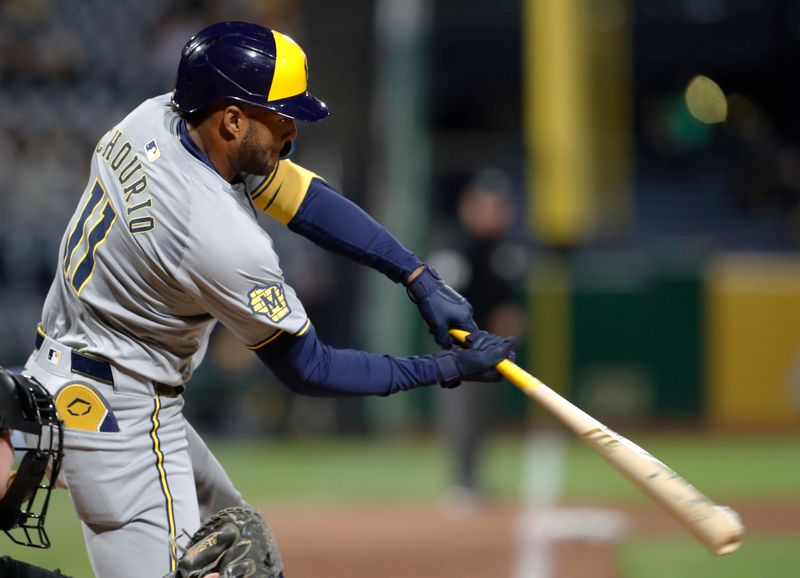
column 159, row 247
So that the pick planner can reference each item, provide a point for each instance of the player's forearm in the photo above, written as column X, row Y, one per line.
column 309, row 367
column 340, row 226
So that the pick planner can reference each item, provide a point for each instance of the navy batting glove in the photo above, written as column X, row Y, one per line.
column 441, row 306
column 476, row 363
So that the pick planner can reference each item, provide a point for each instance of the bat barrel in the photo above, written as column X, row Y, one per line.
column 717, row 527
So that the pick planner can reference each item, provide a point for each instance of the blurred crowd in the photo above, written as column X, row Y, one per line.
column 69, row 69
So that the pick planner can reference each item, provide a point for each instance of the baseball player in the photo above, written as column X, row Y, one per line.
column 164, row 243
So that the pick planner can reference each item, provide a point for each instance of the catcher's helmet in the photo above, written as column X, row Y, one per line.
column 248, row 63
column 26, row 406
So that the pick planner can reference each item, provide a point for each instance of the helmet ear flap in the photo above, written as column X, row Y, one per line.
column 287, row 150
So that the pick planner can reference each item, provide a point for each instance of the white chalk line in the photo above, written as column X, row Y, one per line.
column 542, row 523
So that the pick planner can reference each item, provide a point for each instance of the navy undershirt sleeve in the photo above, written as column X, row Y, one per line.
column 340, row 226
column 309, row 367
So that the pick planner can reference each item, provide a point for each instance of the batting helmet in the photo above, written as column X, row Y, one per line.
column 248, row 63
column 26, row 406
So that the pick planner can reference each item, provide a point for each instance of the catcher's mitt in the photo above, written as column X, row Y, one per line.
column 234, row 542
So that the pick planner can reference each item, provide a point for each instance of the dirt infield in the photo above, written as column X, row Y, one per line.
column 393, row 542
column 423, row 541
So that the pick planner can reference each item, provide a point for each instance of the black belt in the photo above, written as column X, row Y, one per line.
column 101, row 370
column 85, row 365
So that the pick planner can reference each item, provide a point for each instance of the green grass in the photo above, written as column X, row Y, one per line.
column 403, row 469
column 410, row 469
column 666, row 557
column 752, row 468
column 67, row 551
column 338, row 470
column 369, row 470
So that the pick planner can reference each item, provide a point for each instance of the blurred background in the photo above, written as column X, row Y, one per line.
column 615, row 182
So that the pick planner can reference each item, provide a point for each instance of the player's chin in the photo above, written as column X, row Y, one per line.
column 263, row 168
column 258, row 161
column 270, row 164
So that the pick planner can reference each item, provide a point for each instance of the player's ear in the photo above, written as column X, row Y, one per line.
column 233, row 121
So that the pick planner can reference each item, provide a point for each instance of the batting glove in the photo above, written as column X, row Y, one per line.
column 476, row 363
column 441, row 306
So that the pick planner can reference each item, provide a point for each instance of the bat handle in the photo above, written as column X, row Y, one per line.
column 508, row 369
column 460, row 335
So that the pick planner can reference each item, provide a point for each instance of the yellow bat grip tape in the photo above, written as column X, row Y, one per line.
column 508, row 369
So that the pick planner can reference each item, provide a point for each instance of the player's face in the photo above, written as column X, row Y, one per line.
column 6, row 460
column 266, row 135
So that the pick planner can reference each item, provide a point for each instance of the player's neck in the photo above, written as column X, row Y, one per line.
column 214, row 148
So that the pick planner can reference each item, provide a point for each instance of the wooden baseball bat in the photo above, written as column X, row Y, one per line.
column 719, row 528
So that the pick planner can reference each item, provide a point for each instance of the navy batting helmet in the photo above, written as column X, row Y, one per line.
column 26, row 406
column 248, row 63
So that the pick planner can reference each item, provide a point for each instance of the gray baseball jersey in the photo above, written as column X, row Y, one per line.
column 159, row 248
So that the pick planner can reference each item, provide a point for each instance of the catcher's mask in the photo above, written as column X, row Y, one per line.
column 26, row 406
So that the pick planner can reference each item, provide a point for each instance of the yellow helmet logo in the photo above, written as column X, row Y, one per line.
column 291, row 69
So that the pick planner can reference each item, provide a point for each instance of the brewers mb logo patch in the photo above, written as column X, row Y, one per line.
column 269, row 300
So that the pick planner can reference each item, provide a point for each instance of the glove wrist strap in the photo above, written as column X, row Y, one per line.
column 447, row 368
column 424, row 284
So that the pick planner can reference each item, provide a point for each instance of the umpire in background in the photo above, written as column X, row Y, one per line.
column 486, row 213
